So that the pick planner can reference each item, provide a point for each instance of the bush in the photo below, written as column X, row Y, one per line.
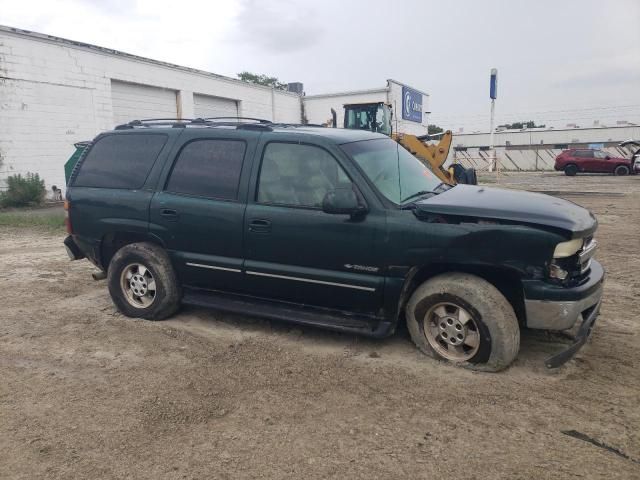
column 23, row 191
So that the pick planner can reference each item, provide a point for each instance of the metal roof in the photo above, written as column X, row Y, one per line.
column 117, row 53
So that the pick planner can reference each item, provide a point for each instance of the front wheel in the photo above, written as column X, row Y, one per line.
column 464, row 319
column 142, row 282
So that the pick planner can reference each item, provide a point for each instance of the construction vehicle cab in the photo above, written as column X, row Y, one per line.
column 374, row 117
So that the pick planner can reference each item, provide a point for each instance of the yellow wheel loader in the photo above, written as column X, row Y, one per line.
column 377, row 117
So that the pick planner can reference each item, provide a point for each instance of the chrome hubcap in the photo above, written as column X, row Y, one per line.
column 451, row 331
column 138, row 285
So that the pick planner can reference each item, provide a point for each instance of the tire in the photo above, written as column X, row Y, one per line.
column 492, row 318
column 621, row 170
column 570, row 170
column 151, row 274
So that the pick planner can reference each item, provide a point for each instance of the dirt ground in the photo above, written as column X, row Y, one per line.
column 88, row 393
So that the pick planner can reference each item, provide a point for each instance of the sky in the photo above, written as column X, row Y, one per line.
column 559, row 61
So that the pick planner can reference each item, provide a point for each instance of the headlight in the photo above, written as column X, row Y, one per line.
column 566, row 249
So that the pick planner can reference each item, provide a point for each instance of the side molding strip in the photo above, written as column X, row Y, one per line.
column 212, row 267
column 308, row 280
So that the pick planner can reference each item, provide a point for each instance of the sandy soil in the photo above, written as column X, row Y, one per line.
column 88, row 393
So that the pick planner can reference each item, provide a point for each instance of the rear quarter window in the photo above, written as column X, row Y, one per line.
column 120, row 161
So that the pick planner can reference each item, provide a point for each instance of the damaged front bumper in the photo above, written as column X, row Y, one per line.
column 552, row 307
column 579, row 340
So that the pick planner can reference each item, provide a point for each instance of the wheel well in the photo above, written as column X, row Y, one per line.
column 506, row 281
column 112, row 242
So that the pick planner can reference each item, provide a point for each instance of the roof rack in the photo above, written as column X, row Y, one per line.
column 244, row 123
column 155, row 122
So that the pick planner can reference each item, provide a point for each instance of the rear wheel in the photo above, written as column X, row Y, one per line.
column 570, row 170
column 621, row 170
column 465, row 320
column 142, row 282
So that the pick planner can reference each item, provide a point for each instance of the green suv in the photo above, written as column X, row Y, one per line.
column 341, row 229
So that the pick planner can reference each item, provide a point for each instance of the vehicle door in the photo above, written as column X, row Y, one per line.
column 602, row 161
column 294, row 251
column 585, row 161
column 199, row 208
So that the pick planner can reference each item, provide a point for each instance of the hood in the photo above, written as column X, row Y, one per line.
column 512, row 205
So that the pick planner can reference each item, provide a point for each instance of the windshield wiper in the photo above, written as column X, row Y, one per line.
column 419, row 194
column 443, row 187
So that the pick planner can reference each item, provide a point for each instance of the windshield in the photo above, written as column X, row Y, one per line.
column 396, row 173
column 372, row 117
column 360, row 117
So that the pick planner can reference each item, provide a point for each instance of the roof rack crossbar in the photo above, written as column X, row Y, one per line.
column 258, row 120
column 154, row 122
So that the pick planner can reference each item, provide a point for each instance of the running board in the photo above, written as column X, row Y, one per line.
column 287, row 312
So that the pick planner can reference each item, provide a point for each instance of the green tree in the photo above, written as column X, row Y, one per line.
column 433, row 129
column 261, row 79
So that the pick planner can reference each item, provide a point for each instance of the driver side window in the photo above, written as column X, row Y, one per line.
column 298, row 175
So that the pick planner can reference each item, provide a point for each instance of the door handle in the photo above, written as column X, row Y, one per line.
column 169, row 213
column 260, row 226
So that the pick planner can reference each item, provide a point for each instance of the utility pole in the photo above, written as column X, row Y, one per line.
column 493, row 94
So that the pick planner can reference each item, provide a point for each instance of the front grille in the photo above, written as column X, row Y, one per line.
column 586, row 254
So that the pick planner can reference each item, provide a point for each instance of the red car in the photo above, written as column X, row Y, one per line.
column 592, row 161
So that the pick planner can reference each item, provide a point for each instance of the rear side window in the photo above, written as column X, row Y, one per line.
column 208, row 168
column 583, row 153
column 120, row 161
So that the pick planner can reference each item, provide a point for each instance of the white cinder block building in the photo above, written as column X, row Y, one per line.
column 410, row 115
column 55, row 92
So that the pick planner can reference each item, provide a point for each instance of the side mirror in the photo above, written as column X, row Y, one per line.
column 607, row 157
column 342, row 201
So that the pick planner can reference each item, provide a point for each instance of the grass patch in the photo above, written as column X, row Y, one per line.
column 53, row 220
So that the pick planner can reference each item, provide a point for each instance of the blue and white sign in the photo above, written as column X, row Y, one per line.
column 411, row 105
column 493, row 84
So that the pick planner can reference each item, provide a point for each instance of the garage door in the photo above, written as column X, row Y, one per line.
column 132, row 101
column 209, row 106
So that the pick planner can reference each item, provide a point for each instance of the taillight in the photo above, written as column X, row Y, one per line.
column 67, row 220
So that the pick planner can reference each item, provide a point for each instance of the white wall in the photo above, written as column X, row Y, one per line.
column 399, row 124
column 535, row 149
column 549, row 136
column 56, row 92
column 521, row 159
column 318, row 107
